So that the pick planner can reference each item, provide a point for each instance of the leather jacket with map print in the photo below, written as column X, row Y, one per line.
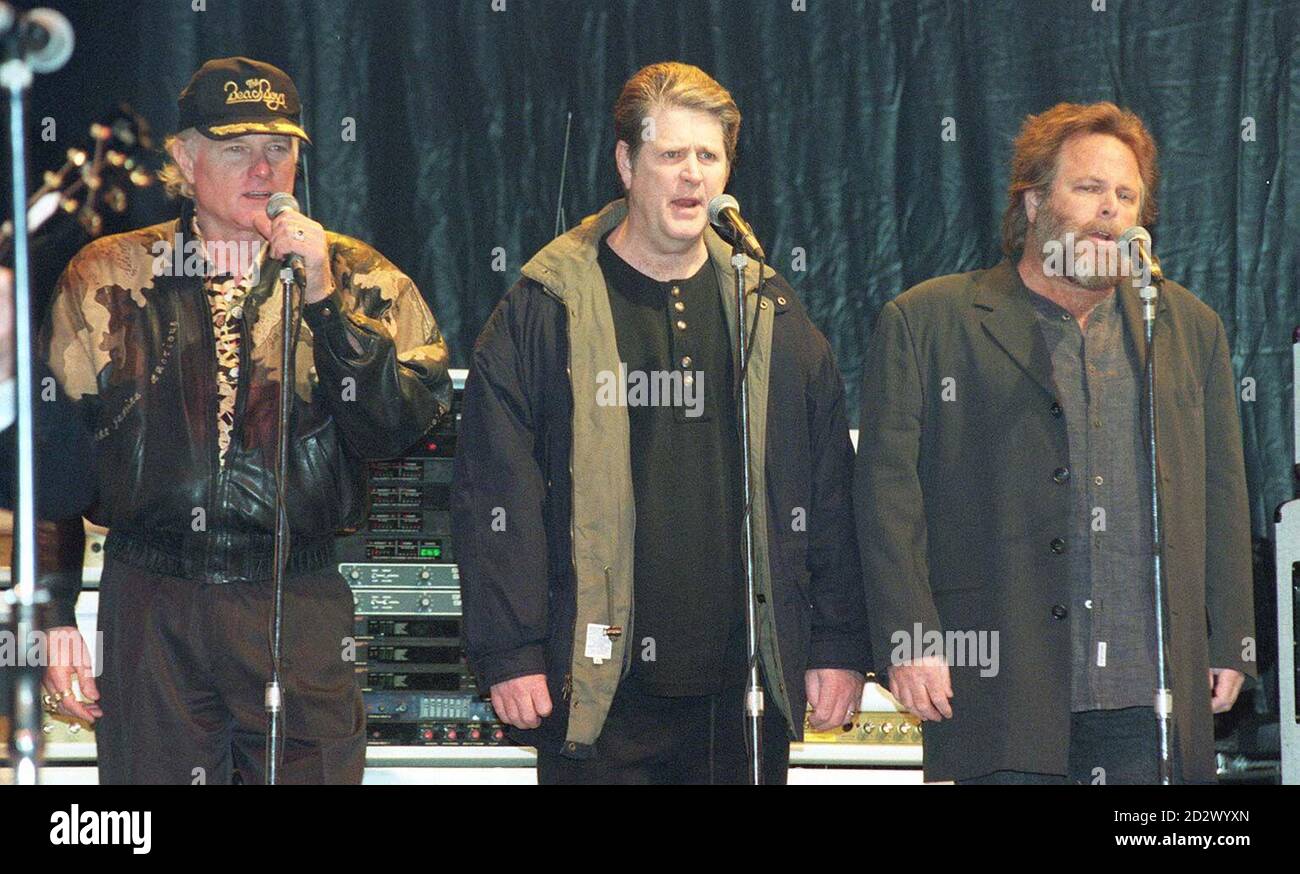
column 130, row 337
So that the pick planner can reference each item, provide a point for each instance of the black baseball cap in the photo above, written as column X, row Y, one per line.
column 231, row 97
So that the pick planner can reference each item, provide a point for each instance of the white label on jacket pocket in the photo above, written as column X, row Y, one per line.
column 599, row 646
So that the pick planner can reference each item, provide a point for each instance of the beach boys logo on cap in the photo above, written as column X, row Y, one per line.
column 256, row 91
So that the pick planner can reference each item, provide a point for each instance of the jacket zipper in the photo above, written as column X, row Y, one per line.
column 241, row 383
column 216, row 494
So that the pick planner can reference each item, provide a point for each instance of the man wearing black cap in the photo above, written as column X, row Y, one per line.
column 168, row 340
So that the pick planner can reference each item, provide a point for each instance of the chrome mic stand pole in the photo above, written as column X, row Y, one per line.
column 1164, row 696
column 25, row 746
column 274, row 690
column 754, row 687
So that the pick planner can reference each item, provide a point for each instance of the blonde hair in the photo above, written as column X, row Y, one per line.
column 173, row 180
column 673, row 84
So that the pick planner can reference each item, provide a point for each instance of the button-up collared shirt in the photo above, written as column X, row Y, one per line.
column 226, row 295
column 1112, row 614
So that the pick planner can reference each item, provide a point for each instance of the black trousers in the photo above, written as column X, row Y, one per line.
column 1107, row 747
column 185, row 669
column 650, row 739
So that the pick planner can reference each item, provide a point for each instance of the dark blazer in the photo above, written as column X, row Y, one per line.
column 962, row 525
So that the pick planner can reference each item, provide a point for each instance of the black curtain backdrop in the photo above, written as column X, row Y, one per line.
column 460, row 109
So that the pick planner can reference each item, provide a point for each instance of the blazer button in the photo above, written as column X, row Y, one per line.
column 1061, row 475
column 1056, row 409
column 1059, row 612
column 1058, row 545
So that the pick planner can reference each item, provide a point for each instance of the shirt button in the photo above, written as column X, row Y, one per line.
column 1058, row 545
column 1096, row 423
column 1061, row 475
column 679, row 306
column 1065, row 317
column 1059, row 612
column 677, row 292
column 1088, row 603
column 1098, row 480
column 687, row 361
column 681, row 324
column 325, row 311
column 762, row 304
column 780, row 301
column 1056, row 409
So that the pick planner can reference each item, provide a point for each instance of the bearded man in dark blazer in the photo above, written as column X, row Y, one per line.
column 1002, row 483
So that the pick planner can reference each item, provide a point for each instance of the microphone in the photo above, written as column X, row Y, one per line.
column 724, row 212
column 276, row 204
column 43, row 38
column 1139, row 235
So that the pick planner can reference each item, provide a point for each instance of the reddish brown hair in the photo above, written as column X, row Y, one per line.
column 673, row 84
column 1037, row 152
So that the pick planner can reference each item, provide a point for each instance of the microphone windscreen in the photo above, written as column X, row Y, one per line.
column 279, row 202
column 718, row 204
column 1137, row 232
column 54, row 43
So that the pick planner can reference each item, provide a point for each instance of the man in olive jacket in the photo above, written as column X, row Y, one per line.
column 1001, row 488
column 598, row 541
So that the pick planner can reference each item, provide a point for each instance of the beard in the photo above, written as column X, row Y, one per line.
column 1096, row 268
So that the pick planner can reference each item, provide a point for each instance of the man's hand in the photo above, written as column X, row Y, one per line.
column 291, row 232
column 1225, row 683
column 523, row 701
column 834, row 695
column 70, row 657
column 923, row 688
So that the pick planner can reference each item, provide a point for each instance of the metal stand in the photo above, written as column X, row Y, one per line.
column 1164, row 697
column 754, row 688
column 274, row 690
column 25, row 746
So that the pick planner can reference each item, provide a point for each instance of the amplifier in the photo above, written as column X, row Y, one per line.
column 414, row 678
column 365, row 575
column 432, row 602
column 880, row 722
column 436, row 733
column 441, row 628
column 870, row 728
column 401, row 567
column 414, row 707
column 408, row 518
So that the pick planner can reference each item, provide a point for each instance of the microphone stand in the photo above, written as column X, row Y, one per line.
column 274, row 690
column 28, row 591
column 1164, row 696
column 754, row 687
